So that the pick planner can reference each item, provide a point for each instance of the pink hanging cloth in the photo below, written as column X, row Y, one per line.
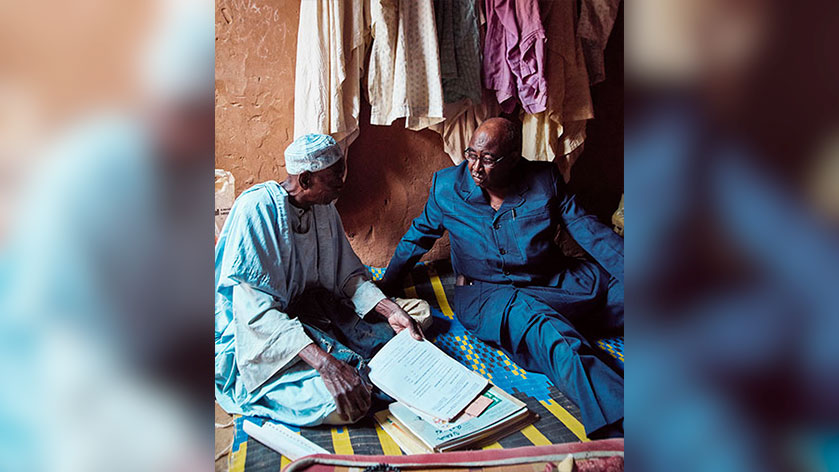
column 514, row 54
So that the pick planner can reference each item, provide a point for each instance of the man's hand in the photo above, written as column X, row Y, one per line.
column 398, row 319
column 345, row 384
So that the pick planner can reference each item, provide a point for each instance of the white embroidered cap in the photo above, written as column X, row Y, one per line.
column 312, row 152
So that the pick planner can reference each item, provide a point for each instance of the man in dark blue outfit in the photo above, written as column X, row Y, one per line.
column 515, row 288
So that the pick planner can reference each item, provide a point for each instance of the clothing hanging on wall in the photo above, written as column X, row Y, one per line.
column 514, row 51
column 551, row 141
column 330, row 53
column 597, row 17
column 560, row 130
column 404, row 79
column 462, row 119
column 460, row 49
column 464, row 116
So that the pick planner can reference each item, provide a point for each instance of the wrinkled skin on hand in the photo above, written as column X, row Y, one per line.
column 351, row 393
column 398, row 319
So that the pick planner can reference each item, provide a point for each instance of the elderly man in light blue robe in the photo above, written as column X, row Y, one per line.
column 296, row 313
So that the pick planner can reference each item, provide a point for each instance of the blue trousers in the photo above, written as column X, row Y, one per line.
column 535, row 326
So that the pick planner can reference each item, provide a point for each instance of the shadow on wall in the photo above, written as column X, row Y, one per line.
column 388, row 181
column 597, row 177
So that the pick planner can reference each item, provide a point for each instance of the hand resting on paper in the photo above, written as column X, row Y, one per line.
column 345, row 384
column 399, row 319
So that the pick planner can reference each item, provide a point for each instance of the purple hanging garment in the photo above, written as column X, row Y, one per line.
column 514, row 54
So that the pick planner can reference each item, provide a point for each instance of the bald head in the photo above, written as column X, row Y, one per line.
column 503, row 133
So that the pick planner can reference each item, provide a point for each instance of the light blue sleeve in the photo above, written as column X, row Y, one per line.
column 267, row 339
column 364, row 294
column 255, row 243
column 252, row 287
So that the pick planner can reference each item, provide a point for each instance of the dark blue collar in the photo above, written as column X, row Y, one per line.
column 472, row 194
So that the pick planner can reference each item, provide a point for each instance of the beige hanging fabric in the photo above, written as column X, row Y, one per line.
column 462, row 119
column 544, row 139
column 560, row 130
column 403, row 79
column 331, row 45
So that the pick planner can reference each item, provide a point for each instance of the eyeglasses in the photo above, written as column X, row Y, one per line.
column 487, row 159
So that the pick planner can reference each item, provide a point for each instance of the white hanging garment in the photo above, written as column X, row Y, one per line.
column 331, row 44
column 404, row 75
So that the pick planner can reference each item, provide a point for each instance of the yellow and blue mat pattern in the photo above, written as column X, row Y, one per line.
column 558, row 417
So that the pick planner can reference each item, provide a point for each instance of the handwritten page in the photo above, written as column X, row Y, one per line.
column 419, row 374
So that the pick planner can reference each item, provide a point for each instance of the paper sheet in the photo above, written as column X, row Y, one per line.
column 419, row 374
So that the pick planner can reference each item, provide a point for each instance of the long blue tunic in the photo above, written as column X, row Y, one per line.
column 268, row 254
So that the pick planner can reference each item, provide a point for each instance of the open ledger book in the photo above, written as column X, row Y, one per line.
column 419, row 374
column 441, row 405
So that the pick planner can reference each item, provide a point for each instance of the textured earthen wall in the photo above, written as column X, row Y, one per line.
column 389, row 168
column 256, row 44
column 388, row 179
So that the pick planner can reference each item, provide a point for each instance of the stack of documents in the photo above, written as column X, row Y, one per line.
column 441, row 405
